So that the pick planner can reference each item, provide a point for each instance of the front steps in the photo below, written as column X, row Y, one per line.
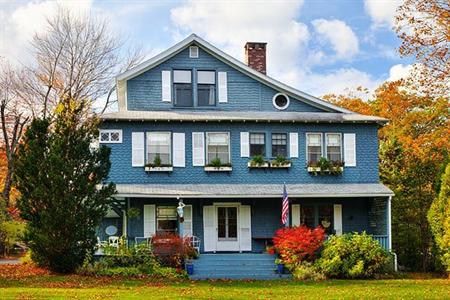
column 235, row 266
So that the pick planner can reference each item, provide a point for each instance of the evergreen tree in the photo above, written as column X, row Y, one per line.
column 439, row 219
column 58, row 177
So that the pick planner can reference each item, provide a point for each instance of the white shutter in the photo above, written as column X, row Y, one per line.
column 245, row 144
column 198, row 149
column 295, row 210
column 209, row 231
column 187, row 224
column 166, row 86
column 245, row 238
column 149, row 220
column 350, row 149
column 137, row 149
column 179, row 150
column 293, row 144
column 338, row 218
column 223, row 89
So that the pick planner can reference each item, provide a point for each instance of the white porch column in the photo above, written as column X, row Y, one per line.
column 389, row 230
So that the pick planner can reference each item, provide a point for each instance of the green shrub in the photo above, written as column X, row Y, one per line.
column 11, row 233
column 307, row 271
column 124, row 261
column 352, row 256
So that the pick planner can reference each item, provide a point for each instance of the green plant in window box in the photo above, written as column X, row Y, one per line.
column 217, row 163
column 157, row 163
column 324, row 166
column 258, row 161
column 280, row 162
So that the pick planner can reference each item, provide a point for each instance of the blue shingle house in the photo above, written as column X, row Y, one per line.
column 197, row 125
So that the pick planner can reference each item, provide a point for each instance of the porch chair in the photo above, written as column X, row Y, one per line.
column 113, row 241
column 195, row 242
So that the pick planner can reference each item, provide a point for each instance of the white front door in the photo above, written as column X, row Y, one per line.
column 227, row 227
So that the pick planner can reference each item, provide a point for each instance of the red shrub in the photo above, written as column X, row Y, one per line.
column 171, row 249
column 296, row 244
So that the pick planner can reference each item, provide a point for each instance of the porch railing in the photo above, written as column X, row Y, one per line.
column 383, row 240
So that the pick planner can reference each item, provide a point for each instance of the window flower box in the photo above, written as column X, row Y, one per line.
column 218, row 169
column 254, row 165
column 150, row 168
column 326, row 171
column 275, row 165
column 324, row 167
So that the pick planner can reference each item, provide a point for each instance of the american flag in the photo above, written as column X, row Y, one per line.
column 284, row 207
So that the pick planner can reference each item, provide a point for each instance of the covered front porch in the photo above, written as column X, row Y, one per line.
column 244, row 218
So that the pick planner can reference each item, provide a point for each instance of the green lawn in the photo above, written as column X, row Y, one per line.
column 56, row 286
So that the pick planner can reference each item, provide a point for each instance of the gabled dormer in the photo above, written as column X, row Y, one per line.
column 194, row 75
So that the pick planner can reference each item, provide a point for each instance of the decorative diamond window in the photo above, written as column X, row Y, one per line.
column 111, row 136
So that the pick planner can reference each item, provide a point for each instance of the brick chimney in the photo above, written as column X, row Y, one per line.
column 255, row 56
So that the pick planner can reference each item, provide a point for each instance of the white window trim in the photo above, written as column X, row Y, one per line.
column 206, row 145
column 306, row 144
column 109, row 131
column 288, row 150
column 170, row 146
column 265, row 142
column 326, row 144
column 191, row 52
column 279, row 107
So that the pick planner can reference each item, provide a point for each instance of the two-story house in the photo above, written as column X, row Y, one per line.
column 197, row 125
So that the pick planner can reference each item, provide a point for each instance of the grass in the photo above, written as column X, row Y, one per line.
column 43, row 286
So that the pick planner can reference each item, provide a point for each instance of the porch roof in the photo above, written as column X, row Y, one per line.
column 252, row 190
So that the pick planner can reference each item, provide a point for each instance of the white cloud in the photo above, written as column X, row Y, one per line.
column 382, row 12
column 399, row 71
column 20, row 22
column 230, row 24
column 338, row 81
column 341, row 37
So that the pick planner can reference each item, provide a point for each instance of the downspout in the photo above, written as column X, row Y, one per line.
column 389, row 229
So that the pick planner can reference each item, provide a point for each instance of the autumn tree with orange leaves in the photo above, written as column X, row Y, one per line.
column 414, row 148
column 423, row 27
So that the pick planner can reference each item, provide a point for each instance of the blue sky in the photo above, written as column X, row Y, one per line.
column 317, row 46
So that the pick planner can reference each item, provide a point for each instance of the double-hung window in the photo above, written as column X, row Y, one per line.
column 279, row 144
column 166, row 219
column 159, row 145
column 218, row 146
column 182, row 88
column 257, row 144
column 314, row 147
column 334, row 146
column 206, row 88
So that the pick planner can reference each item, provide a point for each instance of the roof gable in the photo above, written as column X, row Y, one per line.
column 227, row 59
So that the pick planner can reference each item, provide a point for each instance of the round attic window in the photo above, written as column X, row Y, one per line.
column 280, row 101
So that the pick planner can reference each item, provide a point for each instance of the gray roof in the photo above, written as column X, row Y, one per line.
column 240, row 116
column 252, row 190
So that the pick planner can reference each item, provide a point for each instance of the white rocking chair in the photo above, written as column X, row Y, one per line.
column 113, row 241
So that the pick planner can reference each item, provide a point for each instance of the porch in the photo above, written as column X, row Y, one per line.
column 240, row 218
